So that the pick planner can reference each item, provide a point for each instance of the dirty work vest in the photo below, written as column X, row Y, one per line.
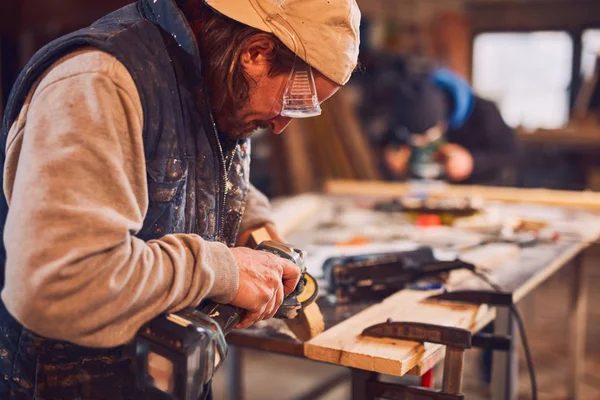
column 196, row 183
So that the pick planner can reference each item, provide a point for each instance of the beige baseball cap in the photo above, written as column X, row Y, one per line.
column 325, row 33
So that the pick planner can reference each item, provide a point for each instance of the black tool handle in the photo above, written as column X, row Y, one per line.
column 401, row 259
column 225, row 315
column 420, row 332
column 476, row 297
column 440, row 267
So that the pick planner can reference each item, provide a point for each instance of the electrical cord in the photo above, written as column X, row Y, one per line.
column 521, row 327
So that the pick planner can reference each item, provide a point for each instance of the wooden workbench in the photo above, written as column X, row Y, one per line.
column 309, row 219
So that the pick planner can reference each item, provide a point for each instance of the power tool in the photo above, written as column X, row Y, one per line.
column 370, row 277
column 423, row 163
column 178, row 354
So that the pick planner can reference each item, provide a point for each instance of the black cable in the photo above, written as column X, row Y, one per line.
column 521, row 327
column 487, row 280
column 528, row 357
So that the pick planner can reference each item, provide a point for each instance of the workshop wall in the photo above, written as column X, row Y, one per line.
column 442, row 31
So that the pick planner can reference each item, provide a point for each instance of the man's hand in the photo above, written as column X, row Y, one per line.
column 397, row 159
column 265, row 280
column 458, row 161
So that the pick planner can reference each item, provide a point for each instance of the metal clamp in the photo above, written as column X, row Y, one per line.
column 456, row 341
column 479, row 297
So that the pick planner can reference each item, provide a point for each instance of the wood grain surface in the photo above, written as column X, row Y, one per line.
column 564, row 198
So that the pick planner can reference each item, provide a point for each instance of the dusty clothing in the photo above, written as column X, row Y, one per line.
column 119, row 208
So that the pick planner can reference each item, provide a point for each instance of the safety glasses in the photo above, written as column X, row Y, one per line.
column 300, row 98
column 300, row 95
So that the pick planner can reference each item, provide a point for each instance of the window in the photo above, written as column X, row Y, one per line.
column 527, row 75
column 591, row 50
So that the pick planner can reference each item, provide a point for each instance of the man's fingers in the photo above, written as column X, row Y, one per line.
column 270, row 306
column 277, row 300
column 291, row 276
column 248, row 319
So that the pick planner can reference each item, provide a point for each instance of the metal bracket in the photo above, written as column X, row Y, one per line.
column 492, row 342
column 392, row 391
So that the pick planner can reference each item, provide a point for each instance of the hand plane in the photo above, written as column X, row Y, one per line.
column 376, row 276
column 177, row 354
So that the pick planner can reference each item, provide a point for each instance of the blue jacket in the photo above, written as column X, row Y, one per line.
column 187, row 182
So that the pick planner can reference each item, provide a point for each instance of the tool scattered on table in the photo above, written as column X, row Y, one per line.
column 456, row 341
column 376, row 276
column 178, row 354
column 446, row 209
column 431, row 205
column 522, row 238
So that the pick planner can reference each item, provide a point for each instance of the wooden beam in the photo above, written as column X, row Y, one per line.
column 565, row 198
column 453, row 42
column 343, row 344
column 571, row 15
column 289, row 214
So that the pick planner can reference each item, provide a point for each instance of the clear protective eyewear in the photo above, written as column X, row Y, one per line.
column 300, row 98
column 300, row 95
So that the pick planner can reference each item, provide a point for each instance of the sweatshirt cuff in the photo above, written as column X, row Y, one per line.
column 226, row 274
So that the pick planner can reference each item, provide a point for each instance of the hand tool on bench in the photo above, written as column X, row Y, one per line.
column 177, row 354
column 456, row 341
column 376, row 276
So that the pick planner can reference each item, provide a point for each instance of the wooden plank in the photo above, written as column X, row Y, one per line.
column 343, row 344
column 297, row 158
column 339, row 159
column 356, row 145
column 564, row 198
column 290, row 213
column 454, row 42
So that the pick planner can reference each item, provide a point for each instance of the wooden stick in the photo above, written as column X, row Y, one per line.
column 540, row 196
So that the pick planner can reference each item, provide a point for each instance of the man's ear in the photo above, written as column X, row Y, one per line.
column 257, row 54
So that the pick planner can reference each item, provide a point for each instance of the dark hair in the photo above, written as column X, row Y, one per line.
column 221, row 41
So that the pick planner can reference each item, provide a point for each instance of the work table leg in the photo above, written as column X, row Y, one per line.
column 235, row 382
column 505, row 364
column 359, row 383
column 577, row 327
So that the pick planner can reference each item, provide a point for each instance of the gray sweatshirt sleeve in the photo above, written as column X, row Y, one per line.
column 258, row 210
column 75, row 180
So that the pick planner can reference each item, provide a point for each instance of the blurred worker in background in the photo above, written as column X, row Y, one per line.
column 430, row 125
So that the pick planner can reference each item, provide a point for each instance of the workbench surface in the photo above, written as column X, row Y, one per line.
column 320, row 223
